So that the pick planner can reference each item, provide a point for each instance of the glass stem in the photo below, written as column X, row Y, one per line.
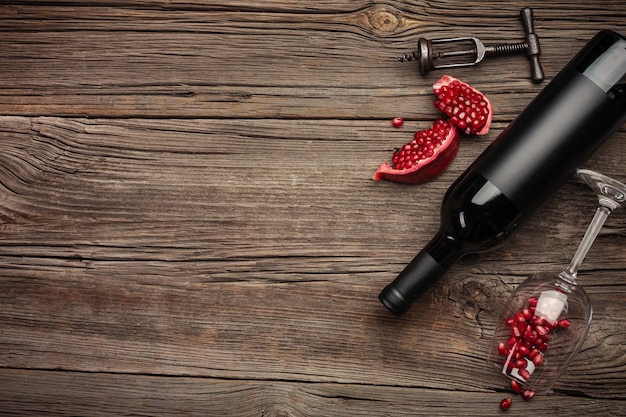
column 590, row 236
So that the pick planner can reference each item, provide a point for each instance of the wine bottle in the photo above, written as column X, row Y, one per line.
column 525, row 165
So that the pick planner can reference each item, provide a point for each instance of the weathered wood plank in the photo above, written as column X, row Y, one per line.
column 85, row 394
column 149, row 248
column 199, row 233
column 282, row 64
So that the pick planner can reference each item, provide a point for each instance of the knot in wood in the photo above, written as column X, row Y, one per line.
column 383, row 21
column 471, row 296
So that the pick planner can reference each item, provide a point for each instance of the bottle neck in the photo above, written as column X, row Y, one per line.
column 445, row 249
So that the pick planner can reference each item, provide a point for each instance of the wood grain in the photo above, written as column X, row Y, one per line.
column 188, row 224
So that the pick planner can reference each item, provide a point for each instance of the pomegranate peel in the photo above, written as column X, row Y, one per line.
column 469, row 109
column 423, row 158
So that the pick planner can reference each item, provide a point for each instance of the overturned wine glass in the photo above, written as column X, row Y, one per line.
column 546, row 320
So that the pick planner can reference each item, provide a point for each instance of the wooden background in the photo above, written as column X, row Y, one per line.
column 188, row 224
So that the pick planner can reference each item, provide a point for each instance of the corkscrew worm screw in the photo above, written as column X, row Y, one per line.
column 435, row 54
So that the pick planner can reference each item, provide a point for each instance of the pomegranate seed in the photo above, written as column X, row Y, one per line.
column 532, row 301
column 397, row 122
column 502, row 349
column 510, row 322
column 521, row 364
column 538, row 360
column 530, row 336
column 564, row 323
column 527, row 314
column 516, row 332
column 523, row 350
column 516, row 386
column 539, row 321
column 524, row 374
column 519, row 317
column 505, row 404
column 511, row 341
column 533, row 353
column 541, row 331
column 528, row 394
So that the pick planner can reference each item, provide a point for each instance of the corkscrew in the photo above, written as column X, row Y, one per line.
column 466, row 51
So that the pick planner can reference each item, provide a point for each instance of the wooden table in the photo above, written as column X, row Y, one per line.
column 188, row 224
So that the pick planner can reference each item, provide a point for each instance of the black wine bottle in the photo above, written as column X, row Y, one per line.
column 525, row 165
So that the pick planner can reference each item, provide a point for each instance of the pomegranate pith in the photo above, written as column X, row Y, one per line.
column 469, row 109
column 425, row 157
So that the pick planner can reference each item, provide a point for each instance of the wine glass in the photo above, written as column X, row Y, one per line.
column 547, row 318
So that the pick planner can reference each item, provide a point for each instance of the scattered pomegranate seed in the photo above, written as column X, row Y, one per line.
column 564, row 323
column 528, row 394
column 505, row 404
column 397, row 122
column 516, row 386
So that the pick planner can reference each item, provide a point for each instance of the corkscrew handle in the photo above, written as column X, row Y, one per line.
column 533, row 51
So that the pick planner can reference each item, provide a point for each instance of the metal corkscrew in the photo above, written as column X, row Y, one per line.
column 454, row 52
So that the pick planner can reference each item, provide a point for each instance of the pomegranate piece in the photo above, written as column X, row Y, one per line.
column 425, row 157
column 469, row 109
column 397, row 122
column 505, row 404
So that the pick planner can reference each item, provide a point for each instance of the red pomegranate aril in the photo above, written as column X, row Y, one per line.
column 516, row 332
column 530, row 336
column 510, row 322
column 520, row 319
column 543, row 347
column 521, row 364
column 532, row 301
column 528, row 394
column 502, row 349
column 541, row 331
column 505, row 404
column 533, row 353
column 538, row 360
column 516, row 386
column 397, row 122
column 511, row 341
column 564, row 323
column 527, row 314
column 524, row 374
column 523, row 350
